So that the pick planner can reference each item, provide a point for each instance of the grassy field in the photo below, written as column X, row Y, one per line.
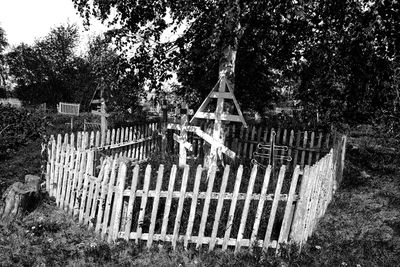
column 361, row 227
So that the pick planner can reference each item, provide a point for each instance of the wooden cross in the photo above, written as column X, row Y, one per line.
column 184, row 145
column 103, row 115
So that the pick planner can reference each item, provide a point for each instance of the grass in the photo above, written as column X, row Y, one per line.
column 360, row 228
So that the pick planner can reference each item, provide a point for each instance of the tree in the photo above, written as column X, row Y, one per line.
column 218, row 38
column 48, row 70
column 3, row 45
column 351, row 52
column 112, row 72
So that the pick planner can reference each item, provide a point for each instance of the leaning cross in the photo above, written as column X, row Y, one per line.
column 182, row 138
column 103, row 115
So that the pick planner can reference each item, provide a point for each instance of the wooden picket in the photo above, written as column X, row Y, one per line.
column 137, row 207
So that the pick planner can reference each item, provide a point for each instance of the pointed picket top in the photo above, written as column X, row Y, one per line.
column 222, row 90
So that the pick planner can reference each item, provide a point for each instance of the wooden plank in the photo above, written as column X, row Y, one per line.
column 240, row 143
column 108, row 137
column 60, row 174
column 193, row 206
column 104, row 187
column 117, row 208
column 118, row 136
column 73, row 162
column 286, row 223
column 86, row 180
column 260, row 206
column 310, row 154
column 78, row 192
column 89, row 199
column 91, row 143
column 206, row 206
column 296, row 152
column 66, row 167
column 224, row 95
column 57, row 160
column 271, row 220
column 253, row 136
column 284, row 143
column 55, row 152
column 78, row 140
column 110, row 192
column 156, row 202
column 316, row 199
column 132, row 198
column 96, row 196
column 168, row 202
column 232, row 208
column 212, row 116
column 300, row 212
column 50, row 161
column 318, row 146
column 206, row 239
column 303, row 152
column 99, row 113
column 180, row 206
column 312, row 202
column 178, row 127
column 208, row 138
column 143, row 203
column 219, row 207
column 246, row 206
column 245, row 145
column 112, row 137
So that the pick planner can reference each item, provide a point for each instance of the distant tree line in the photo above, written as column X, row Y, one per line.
column 51, row 70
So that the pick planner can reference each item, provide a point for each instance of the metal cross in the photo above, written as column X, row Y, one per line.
column 269, row 151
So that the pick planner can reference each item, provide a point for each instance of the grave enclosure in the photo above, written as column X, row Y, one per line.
column 106, row 184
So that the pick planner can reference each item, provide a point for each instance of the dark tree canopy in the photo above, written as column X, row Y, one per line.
column 337, row 57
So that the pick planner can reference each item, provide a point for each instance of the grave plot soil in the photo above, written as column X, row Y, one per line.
column 360, row 228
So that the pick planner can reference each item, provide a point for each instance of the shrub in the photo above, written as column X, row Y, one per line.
column 19, row 127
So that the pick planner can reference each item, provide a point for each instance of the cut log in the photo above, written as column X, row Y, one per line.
column 20, row 198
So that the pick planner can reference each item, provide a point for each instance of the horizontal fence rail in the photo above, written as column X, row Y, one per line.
column 253, row 208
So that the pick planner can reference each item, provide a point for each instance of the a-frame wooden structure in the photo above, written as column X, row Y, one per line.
column 222, row 91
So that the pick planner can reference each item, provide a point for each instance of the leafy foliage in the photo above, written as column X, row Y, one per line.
column 3, row 44
column 18, row 127
column 47, row 71
column 50, row 71
column 337, row 57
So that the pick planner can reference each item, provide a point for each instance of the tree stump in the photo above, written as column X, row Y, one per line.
column 20, row 198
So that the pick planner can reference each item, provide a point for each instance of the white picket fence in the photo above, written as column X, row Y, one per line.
column 175, row 205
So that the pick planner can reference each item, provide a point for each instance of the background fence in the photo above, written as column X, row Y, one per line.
column 234, row 208
column 137, row 143
column 304, row 147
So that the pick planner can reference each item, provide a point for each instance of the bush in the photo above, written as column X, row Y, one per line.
column 19, row 127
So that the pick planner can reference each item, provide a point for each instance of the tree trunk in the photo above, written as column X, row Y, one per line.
column 19, row 198
column 226, row 69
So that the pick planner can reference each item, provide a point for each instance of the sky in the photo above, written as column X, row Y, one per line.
column 27, row 20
